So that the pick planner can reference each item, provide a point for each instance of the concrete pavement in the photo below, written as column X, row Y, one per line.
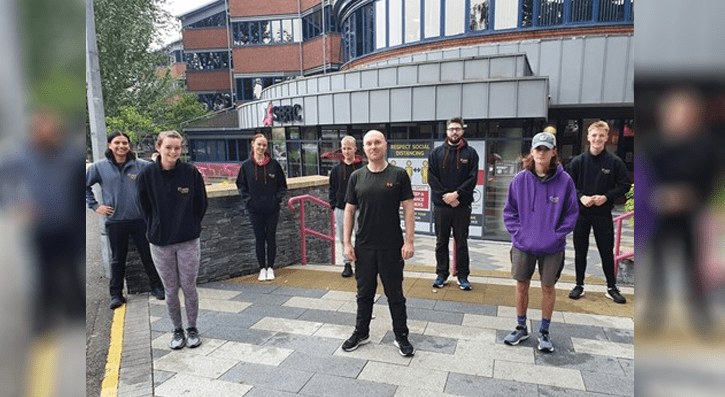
column 282, row 338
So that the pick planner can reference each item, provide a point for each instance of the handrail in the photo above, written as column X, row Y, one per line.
column 304, row 230
column 618, row 236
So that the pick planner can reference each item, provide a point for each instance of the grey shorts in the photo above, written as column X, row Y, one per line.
column 523, row 265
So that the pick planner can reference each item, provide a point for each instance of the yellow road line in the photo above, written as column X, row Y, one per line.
column 43, row 366
column 109, row 387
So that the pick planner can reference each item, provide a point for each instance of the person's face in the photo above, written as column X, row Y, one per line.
column 597, row 138
column 542, row 155
column 260, row 146
column 375, row 146
column 119, row 146
column 170, row 150
column 454, row 132
column 348, row 151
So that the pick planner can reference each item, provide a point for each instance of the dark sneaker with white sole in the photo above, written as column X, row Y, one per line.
column 178, row 340
column 192, row 337
column 577, row 292
column 613, row 294
column 354, row 342
column 545, row 344
column 516, row 336
column 440, row 282
column 404, row 346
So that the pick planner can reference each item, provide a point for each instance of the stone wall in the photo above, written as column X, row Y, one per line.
column 227, row 240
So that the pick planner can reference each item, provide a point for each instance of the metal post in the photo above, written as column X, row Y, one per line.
column 96, row 117
column 302, row 232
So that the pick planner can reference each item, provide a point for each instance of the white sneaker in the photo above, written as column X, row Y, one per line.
column 263, row 275
column 270, row 274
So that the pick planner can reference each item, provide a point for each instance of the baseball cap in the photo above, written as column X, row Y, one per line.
column 543, row 139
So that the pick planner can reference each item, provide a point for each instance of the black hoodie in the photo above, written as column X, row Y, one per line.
column 173, row 202
column 453, row 168
column 339, row 176
column 261, row 185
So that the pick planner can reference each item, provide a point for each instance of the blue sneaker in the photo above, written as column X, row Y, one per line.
column 440, row 281
column 545, row 344
column 464, row 284
column 516, row 336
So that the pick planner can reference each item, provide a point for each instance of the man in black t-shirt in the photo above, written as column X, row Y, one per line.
column 377, row 191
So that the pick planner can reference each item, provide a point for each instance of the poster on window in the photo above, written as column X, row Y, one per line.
column 413, row 158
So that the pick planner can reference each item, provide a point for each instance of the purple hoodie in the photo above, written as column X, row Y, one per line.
column 539, row 215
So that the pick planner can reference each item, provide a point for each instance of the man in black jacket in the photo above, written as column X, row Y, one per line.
column 600, row 178
column 452, row 175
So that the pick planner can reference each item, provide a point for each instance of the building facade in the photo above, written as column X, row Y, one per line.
column 510, row 68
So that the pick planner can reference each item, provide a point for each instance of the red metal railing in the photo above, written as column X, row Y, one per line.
column 617, row 238
column 304, row 230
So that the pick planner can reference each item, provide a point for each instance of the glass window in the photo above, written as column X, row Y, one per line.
column 479, row 14
column 506, row 15
column 327, row 162
column 432, row 18
column 215, row 20
column 293, row 158
column 501, row 163
column 395, row 22
column 581, row 10
column 310, row 153
column 412, row 21
column 254, row 32
column 455, row 17
column 380, row 24
column 551, row 12
column 286, row 34
column 276, row 30
column 266, row 31
column 309, row 133
column 611, row 10
column 296, row 30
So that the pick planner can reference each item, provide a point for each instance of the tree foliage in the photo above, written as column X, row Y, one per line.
column 126, row 31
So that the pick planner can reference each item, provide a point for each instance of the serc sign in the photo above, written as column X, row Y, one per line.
column 282, row 114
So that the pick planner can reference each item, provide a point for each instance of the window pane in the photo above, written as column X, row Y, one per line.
column 297, row 30
column 380, row 24
column 412, row 20
column 432, row 18
column 309, row 159
column 455, row 16
column 506, row 14
column 276, row 29
column 286, row 31
column 395, row 22
column 479, row 15
column 266, row 32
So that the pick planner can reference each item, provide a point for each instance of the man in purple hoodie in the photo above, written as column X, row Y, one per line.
column 541, row 209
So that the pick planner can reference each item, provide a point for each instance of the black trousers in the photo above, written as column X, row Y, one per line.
column 118, row 234
column 387, row 263
column 265, row 233
column 604, row 237
column 458, row 219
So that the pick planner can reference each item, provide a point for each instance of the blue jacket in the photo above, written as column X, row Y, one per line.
column 118, row 187
column 539, row 215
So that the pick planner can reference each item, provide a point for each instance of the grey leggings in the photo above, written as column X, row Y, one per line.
column 178, row 266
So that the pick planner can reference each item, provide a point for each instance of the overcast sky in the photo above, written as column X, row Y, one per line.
column 178, row 7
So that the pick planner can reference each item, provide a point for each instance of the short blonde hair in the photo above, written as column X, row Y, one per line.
column 168, row 134
column 599, row 125
column 348, row 138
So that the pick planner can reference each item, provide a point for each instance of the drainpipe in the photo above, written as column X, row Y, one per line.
column 227, row 15
column 299, row 15
column 324, row 39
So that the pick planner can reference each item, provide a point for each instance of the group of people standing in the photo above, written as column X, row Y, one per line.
column 161, row 205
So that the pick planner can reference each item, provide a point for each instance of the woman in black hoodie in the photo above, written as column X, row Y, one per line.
column 262, row 185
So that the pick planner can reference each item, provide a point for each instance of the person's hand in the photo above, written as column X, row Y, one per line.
column 350, row 252
column 407, row 251
column 104, row 210
column 450, row 197
column 587, row 201
column 599, row 200
column 454, row 203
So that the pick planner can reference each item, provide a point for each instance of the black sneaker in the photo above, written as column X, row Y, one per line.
column 192, row 337
column 178, row 340
column 158, row 292
column 404, row 346
column 347, row 272
column 613, row 294
column 577, row 292
column 354, row 342
column 116, row 302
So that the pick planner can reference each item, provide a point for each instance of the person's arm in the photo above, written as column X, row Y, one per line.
column 281, row 184
column 570, row 213
column 434, row 177
column 574, row 170
column 471, row 178
column 93, row 177
column 408, row 249
column 243, row 186
column 621, row 184
column 332, row 192
column 200, row 198
column 511, row 211
column 347, row 226
column 144, row 201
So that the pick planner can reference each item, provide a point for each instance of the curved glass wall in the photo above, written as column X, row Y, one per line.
column 375, row 25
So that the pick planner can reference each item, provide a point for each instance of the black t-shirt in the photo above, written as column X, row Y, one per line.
column 377, row 196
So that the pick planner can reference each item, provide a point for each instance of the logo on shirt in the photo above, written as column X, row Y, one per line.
column 182, row 190
column 554, row 199
column 132, row 176
column 389, row 185
column 606, row 171
column 464, row 161
column 271, row 175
